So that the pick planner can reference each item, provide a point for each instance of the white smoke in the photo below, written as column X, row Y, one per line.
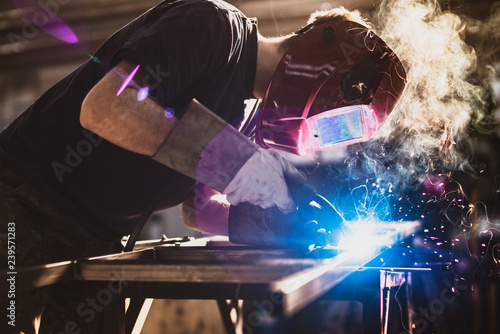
column 441, row 101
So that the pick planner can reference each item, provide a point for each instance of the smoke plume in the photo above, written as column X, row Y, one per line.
column 443, row 99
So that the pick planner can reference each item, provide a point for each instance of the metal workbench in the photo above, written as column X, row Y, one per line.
column 261, row 287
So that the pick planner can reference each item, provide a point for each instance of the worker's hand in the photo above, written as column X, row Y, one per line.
column 253, row 225
column 263, row 181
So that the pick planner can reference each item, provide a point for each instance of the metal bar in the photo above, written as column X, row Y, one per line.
column 114, row 314
column 301, row 288
column 38, row 276
column 136, row 315
column 390, row 278
column 145, row 244
column 225, row 312
column 132, row 313
column 409, row 301
column 385, row 298
column 259, row 273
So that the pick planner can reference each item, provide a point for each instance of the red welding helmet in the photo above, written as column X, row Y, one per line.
column 334, row 86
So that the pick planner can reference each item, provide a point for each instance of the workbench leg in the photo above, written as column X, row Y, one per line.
column 409, row 302
column 385, row 302
column 395, row 290
column 114, row 315
column 225, row 308
column 136, row 314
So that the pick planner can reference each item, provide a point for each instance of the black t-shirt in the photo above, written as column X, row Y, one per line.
column 203, row 49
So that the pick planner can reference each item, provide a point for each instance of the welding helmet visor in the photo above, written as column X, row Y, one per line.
column 335, row 85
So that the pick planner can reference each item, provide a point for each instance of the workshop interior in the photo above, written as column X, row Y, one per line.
column 419, row 246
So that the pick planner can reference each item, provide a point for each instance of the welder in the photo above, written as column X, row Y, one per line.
column 335, row 85
column 152, row 120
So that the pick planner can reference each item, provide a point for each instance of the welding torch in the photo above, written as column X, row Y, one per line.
column 314, row 224
column 316, row 209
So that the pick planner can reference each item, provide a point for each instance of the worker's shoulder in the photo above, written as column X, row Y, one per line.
column 193, row 13
column 222, row 5
column 198, row 7
column 215, row 4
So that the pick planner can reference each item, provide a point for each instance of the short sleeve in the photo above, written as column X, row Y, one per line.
column 177, row 46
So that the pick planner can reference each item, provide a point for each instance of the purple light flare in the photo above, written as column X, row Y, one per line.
column 169, row 113
column 142, row 93
column 127, row 80
column 46, row 19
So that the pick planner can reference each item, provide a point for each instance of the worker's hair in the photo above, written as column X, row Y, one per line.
column 321, row 17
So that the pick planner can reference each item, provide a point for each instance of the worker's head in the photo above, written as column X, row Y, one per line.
column 320, row 17
column 335, row 85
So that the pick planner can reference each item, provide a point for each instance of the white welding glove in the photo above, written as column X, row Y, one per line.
column 262, row 181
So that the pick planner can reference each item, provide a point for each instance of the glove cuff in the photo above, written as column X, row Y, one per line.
column 205, row 147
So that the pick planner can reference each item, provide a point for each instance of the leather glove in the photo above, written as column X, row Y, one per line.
column 206, row 148
column 312, row 225
column 253, row 225
column 263, row 180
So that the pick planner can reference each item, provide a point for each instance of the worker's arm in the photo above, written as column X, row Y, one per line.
column 206, row 210
column 200, row 145
column 138, row 126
